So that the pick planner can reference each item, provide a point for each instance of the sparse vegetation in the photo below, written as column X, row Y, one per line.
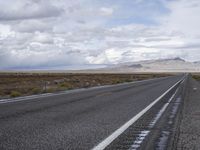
column 15, row 94
column 36, row 90
column 128, row 80
column 51, row 90
column 20, row 84
column 65, row 85
column 116, row 81
column 196, row 76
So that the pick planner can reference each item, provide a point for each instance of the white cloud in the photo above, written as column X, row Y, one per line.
column 184, row 17
column 41, row 33
column 106, row 11
column 25, row 9
column 32, row 26
column 43, row 38
column 5, row 31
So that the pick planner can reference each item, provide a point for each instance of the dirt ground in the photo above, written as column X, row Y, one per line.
column 20, row 84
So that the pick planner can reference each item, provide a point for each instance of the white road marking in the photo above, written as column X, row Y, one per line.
column 138, row 141
column 194, row 88
column 119, row 131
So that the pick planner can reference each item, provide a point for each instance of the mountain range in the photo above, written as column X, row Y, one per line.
column 176, row 64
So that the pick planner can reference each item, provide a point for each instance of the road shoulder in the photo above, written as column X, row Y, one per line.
column 189, row 129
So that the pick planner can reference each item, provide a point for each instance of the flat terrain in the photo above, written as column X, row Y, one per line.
column 80, row 119
column 19, row 84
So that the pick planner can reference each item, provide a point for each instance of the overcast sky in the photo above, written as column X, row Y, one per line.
column 53, row 33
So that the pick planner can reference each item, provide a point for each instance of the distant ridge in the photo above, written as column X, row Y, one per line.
column 175, row 64
column 171, row 59
column 136, row 66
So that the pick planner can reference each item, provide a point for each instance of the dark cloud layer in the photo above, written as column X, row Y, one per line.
column 31, row 9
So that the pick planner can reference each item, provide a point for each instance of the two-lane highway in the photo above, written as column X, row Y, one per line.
column 75, row 120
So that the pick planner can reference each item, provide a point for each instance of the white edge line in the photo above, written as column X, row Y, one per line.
column 119, row 131
column 11, row 100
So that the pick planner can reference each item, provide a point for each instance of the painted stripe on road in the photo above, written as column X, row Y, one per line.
column 119, row 131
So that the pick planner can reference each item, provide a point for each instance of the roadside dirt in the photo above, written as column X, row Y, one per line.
column 20, row 84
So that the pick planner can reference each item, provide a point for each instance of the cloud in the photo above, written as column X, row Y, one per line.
column 43, row 38
column 106, row 11
column 184, row 17
column 5, row 31
column 24, row 9
column 31, row 26
column 36, row 33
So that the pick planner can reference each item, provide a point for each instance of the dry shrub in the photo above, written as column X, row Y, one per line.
column 15, row 94
column 65, row 85
column 36, row 90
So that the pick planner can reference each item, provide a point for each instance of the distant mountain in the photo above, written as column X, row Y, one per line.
column 176, row 64
column 197, row 62
column 135, row 66
column 172, row 59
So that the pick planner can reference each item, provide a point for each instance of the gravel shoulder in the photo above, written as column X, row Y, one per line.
column 189, row 129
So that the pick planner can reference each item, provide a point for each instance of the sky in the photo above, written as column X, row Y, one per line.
column 53, row 33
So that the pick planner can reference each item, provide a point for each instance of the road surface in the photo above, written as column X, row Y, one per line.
column 78, row 119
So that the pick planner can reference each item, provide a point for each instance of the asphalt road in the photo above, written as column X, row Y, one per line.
column 75, row 120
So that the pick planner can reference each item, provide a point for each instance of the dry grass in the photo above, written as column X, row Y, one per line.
column 18, row 84
column 196, row 76
column 15, row 94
